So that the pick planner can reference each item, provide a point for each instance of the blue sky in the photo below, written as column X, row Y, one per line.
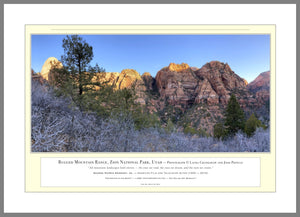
column 247, row 55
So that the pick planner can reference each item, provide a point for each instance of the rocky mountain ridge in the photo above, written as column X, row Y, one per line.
column 261, row 86
column 195, row 96
column 261, row 82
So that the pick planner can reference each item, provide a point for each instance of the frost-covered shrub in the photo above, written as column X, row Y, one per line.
column 259, row 142
column 49, row 118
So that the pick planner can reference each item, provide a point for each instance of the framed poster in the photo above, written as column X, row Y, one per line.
column 77, row 146
column 161, row 126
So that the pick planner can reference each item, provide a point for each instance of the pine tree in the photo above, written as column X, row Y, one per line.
column 75, row 79
column 77, row 56
column 234, row 117
column 251, row 124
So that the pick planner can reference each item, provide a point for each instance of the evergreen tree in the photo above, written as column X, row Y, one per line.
column 77, row 56
column 219, row 131
column 234, row 117
column 170, row 127
column 74, row 79
column 251, row 124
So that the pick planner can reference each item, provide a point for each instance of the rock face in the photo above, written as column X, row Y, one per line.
column 177, row 83
column 149, row 81
column 128, row 78
column 262, row 82
column 261, row 87
column 49, row 64
column 125, row 79
column 211, row 84
column 218, row 81
column 245, row 81
column 131, row 78
column 107, row 78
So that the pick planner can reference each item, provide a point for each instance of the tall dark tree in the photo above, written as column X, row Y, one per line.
column 77, row 56
column 234, row 117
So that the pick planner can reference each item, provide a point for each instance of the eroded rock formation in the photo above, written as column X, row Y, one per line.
column 49, row 64
column 212, row 84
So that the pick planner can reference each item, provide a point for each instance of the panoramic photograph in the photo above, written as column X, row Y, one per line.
column 150, row 93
